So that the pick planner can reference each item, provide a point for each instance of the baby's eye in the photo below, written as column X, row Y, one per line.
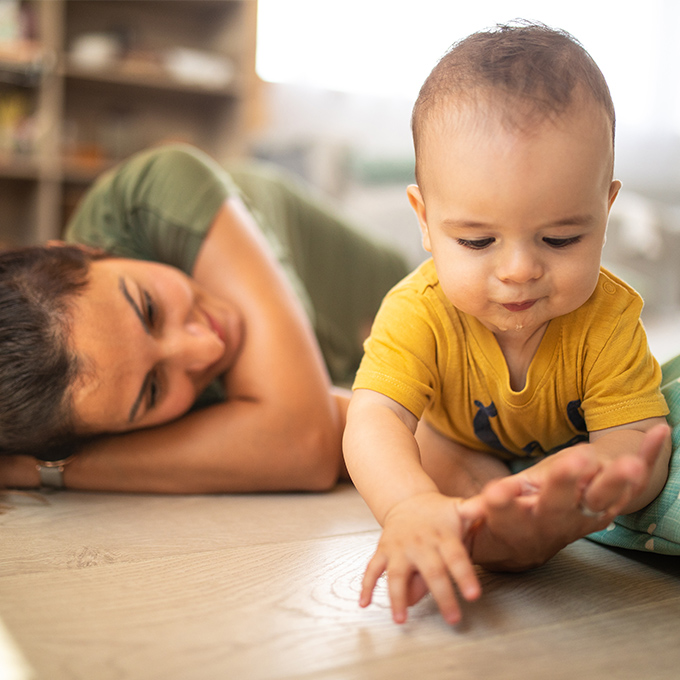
column 561, row 242
column 476, row 244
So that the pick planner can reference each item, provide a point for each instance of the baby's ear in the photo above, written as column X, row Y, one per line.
column 614, row 189
column 415, row 198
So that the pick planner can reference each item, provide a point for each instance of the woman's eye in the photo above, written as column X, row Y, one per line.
column 150, row 310
column 561, row 242
column 154, row 392
column 476, row 244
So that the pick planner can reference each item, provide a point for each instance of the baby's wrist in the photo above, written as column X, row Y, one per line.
column 409, row 501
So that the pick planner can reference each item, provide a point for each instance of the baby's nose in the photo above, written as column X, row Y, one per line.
column 519, row 266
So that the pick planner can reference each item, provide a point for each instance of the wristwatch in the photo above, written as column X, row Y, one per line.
column 51, row 473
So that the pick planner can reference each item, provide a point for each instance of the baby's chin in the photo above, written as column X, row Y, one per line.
column 518, row 322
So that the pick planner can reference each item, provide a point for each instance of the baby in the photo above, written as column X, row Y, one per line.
column 511, row 340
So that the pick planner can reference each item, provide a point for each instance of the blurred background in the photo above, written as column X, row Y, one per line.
column 323, row 87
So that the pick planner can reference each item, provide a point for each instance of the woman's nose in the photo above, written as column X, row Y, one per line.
column 193, row 347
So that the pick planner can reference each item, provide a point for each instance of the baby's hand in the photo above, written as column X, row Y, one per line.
column 532, row 515
column 422, row 548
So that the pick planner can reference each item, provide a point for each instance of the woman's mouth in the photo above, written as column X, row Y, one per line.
column 519, row 306
column 216, row 328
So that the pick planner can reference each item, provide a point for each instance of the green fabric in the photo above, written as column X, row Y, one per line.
column 156, row 206
column 655, row 528
column 159, row 205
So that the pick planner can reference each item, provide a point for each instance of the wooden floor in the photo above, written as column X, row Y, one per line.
column 110, row 586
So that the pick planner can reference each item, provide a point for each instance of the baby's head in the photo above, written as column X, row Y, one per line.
column 514, row 131
column 521, row 75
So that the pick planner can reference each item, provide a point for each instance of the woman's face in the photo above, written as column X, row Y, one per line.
column 150, row 340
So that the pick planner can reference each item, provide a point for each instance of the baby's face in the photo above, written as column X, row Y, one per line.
column 516, row 221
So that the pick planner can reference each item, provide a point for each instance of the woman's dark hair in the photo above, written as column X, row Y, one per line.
column 37, row 366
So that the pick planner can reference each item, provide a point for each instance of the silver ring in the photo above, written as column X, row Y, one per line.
column 587, row 512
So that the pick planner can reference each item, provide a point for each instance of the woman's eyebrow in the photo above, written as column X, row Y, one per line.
column 133, row 304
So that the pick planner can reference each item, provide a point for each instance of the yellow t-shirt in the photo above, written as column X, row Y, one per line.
column 592, row 370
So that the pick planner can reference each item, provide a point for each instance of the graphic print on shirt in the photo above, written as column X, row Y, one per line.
column 485, row 433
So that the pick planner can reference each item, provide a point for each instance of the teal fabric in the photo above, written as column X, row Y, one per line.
column 655, row 528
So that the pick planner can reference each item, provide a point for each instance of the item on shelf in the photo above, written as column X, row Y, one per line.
column 17, row 125
column 10, row 20
column 84, row 83
column 95, row 50
column 196, row 67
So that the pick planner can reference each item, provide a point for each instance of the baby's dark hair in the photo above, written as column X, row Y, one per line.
column 523, row 63
column 37, row 366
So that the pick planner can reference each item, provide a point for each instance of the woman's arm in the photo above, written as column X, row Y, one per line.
column 281, row 427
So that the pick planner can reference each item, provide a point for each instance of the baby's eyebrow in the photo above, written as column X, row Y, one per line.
column 583, row 220
column 454, row 223
column 573, row 221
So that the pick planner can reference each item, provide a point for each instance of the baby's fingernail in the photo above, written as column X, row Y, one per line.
column 472, row 592
column 453, row 618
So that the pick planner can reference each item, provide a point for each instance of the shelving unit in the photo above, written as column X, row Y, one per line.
column 85, row 83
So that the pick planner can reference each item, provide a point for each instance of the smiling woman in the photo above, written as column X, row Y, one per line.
column 197, row 346
column 156, row 349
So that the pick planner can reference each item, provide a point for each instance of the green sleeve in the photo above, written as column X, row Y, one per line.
column 158, row 205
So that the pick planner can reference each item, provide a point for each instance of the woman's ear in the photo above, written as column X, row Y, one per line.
column 415, row 198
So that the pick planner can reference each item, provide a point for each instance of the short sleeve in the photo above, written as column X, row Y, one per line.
column 622, row 382
column 400, row 354
column 158, row 205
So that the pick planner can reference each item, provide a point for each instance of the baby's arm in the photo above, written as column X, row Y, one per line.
column 423, row 530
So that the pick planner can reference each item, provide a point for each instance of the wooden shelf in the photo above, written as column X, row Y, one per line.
column 83, row 118
column 15, row 166
column 120, row 75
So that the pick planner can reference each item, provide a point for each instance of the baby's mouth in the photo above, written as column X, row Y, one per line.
column 519, row 306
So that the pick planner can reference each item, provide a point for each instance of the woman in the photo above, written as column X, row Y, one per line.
column 228, row 291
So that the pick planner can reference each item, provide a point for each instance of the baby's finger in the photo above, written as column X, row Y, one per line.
column 653, row 442
column 398, row 579
column 374, row 570
column 615, row 486
column 495, row 496
column 461, row 569
column 564, row 483
column 438, row 580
